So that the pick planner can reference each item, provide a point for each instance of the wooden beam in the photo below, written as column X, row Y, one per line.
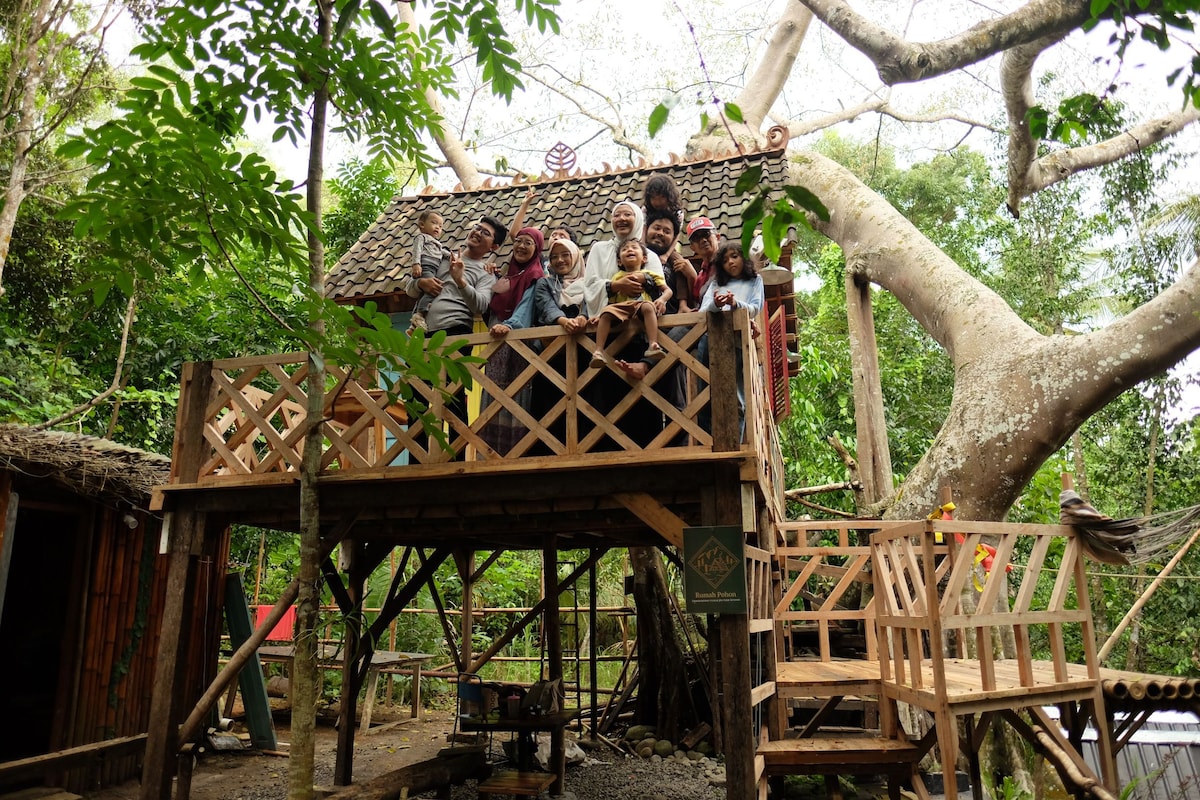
column 343, row 764
column 553, row 634
column 37, row 766
column 186, row 530
column 657, row 516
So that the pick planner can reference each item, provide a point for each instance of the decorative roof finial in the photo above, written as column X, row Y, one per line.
column 560, row 158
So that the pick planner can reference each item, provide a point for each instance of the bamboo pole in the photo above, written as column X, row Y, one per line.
column 1136, row 608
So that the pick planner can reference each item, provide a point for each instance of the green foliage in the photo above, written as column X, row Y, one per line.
column 362, row 190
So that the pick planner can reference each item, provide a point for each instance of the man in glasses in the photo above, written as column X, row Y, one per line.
column 463, row 286
column 461, row 292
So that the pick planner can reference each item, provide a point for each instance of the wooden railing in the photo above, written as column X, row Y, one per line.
column 536, row 381
column 1023, row 583
column 824, row 569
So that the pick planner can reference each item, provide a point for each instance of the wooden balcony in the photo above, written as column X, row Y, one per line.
column 568, row 427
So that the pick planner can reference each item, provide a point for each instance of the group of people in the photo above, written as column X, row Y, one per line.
column 637, row 274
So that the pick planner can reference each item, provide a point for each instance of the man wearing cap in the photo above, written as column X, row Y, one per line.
column 704, row 239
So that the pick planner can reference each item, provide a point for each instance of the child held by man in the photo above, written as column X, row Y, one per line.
column 428, row 252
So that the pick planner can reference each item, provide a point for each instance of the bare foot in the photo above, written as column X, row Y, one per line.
column 635, row 369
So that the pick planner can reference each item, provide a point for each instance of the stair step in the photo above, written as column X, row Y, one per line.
column 837, row 752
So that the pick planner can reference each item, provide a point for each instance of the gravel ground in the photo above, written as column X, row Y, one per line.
column 603, row 774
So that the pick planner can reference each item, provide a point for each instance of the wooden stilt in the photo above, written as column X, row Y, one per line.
column 553, row 635
column 343, row 766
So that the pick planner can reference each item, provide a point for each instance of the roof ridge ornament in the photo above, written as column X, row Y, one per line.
column 560, row 159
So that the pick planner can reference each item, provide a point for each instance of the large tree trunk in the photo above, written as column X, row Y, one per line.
column 663, row 685
column 1018, row 395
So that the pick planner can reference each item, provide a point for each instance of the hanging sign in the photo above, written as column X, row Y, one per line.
column 714, row 576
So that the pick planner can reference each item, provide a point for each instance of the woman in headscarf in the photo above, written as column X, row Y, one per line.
column 514, row 287
column 627, row 222
column 557, row 298
column 522, row 271
column 644, row 421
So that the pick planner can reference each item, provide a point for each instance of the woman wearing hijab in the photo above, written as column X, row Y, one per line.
column 627, row 222
column 522, row 271
column 556, row 299
column 644, row 421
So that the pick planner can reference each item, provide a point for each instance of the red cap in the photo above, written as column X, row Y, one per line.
column 700, row 224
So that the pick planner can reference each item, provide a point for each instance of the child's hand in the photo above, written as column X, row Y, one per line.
column 416, row 270
column 499, row 330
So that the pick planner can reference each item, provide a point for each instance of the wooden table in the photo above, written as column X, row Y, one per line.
column 525, row 727
column 329, row 657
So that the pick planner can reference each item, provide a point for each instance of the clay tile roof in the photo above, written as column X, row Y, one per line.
column 372, row 266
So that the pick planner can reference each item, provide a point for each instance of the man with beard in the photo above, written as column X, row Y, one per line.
column 662, row 231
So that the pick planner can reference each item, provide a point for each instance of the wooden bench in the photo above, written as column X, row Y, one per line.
column 518, row 784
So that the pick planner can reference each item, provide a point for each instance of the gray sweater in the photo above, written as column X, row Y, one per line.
column 456, row 307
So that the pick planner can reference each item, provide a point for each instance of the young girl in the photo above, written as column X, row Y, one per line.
column 735, row 284
column 662, row 194
column 631, row 258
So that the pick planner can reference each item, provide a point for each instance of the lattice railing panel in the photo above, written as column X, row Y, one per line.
column 534, row 395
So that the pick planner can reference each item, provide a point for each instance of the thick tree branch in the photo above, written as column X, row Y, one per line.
column 880, row 245
column 1016, row 81
column 901, row 61
column 877, row 105
column 1018, row 395
column 1062, row 164
column 773, row 71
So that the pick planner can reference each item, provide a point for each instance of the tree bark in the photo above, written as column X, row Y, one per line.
column 662, row 699
column 305, row 686
column 1018, row 395
column 901, row 61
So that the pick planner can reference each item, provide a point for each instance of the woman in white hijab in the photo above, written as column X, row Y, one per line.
column 627, row 223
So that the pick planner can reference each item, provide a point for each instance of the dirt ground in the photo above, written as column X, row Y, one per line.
column 394, row 741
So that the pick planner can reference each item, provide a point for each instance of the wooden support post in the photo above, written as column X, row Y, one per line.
column 186, row 529
column 723, row 343
column 738, row 724
column 874, row 454
column 595, row 700
column 465, row 559
column 343, row 765
column 553, row 636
